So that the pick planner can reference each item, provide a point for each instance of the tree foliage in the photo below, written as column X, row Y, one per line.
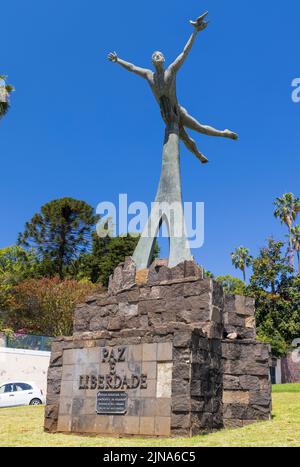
column 60, row 233
column 277, row 294
column 296, row 243
column 287, row 208
column 105, row 256
column 241, row 259
column 5, row 90
column 46, row 306
column 232, row 285
column 16, row 265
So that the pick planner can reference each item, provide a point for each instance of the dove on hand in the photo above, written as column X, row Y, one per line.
column 113, row 57
column 200, row 24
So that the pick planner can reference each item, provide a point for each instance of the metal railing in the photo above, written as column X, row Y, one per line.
column 29, row 342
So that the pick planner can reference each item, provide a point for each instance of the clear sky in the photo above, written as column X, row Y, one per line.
column 80, row 126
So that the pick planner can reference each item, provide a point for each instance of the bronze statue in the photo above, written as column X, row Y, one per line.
column 163, row 86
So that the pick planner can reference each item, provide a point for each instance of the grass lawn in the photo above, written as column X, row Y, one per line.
column 279, row 388
column 23, row 426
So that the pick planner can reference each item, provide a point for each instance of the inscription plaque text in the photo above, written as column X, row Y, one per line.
column 112, row 402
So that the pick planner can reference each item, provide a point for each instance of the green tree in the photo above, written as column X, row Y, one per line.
column 16, row 265
column 270, row 267
column 208, row 274
column 88, row 264
column 296, row 243
column 241, row 259
column 60, row 233
column 46, row 306
column 107, row 253
column 277, row 296
column 5, row 90
column 232, row 285
column 286, row 209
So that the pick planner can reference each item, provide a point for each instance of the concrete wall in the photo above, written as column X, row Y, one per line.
column 2, row 340
column 26, row 365
column 290, row 369
column 278, row 372
column 287, row 369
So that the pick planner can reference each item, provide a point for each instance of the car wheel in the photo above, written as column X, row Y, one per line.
column 35, row 402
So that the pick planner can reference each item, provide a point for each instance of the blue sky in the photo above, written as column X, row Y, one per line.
column 82, row 127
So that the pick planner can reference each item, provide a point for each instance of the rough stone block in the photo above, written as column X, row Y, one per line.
column 233, row 423
column 180, row 420
column 115, row 324
column 56, row 359
column 50, row 425
column 172, row 328
column 236, row 397
column 233, row 319
column 98, row 323
column 250, row 322
column 159, row 273
column 216, row 316
column 128, row 310
column 182, row 339
column 180, row 387
column 199, row 287
column 197, row 404
column 141, row 277
column 218, row 295
column 245, row 305
column 181, row 404
column 182, row 371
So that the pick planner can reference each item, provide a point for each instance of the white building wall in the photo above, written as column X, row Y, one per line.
column 24, row 365
column 278, row 372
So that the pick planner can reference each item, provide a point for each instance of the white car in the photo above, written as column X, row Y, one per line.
column 20, row 393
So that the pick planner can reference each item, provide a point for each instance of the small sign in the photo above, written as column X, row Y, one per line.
column 112, row 402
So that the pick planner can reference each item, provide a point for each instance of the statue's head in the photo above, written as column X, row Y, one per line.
column 158, row 58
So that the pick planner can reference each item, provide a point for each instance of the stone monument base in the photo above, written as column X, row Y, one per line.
column 162, row 353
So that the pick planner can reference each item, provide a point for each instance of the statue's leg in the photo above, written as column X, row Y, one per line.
column 193, row 124
column 167, row 209
column 191, row 145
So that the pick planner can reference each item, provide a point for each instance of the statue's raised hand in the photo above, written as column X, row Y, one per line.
column 113, row 57
column 200, row 24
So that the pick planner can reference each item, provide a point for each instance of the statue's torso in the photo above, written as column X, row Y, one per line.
column 163, row 86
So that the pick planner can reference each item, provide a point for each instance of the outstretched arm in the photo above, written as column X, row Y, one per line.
column 199, row 25
column 143, row 72
column 182, row 57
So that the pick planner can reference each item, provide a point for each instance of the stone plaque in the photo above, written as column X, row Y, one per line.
column 112, row 402
column 117, row 390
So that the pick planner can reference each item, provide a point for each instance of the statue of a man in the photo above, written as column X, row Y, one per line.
column 163, row 86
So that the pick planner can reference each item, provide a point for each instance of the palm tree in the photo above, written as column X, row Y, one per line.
column 241, row 259
column 296, row 243
column 287, row 209
column 5, row 90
